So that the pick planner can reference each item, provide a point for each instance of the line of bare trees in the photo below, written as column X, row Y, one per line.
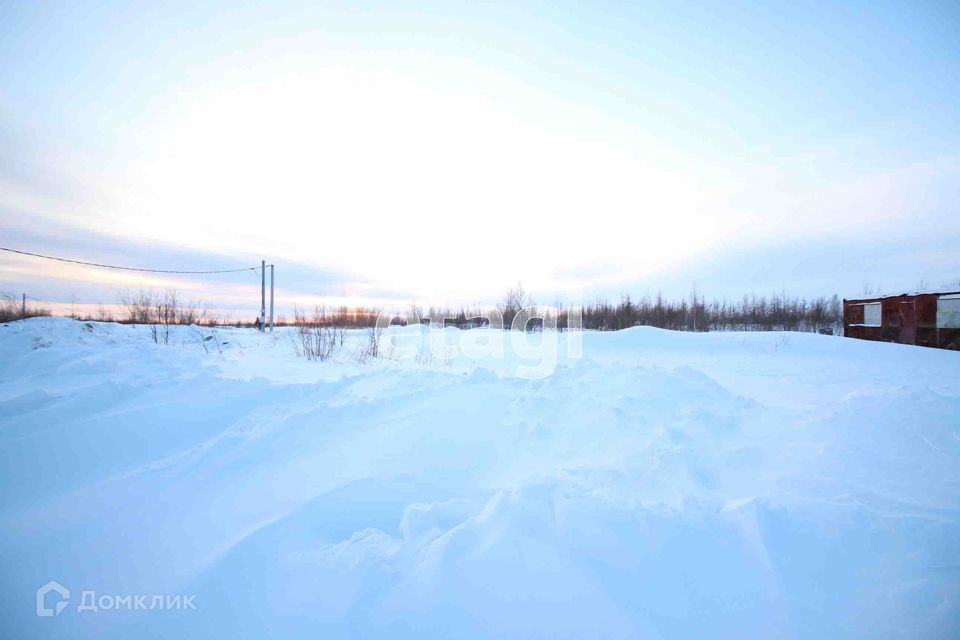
column 14, row 308
column 342, row 316
column 777, row 312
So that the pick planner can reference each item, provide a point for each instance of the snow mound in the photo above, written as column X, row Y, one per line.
column 663, row 485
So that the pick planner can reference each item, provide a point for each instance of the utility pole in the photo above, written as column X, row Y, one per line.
column 23, row 306
column 271, row 298
column 263, row 292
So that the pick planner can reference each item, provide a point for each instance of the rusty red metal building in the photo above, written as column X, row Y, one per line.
column 926, row 319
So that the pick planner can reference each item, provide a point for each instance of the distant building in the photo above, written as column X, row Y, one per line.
column 926, row 319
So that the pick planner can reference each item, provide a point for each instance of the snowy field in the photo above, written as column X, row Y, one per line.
column 663, row 485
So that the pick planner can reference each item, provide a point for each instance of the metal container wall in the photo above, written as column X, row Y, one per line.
column 905, row 318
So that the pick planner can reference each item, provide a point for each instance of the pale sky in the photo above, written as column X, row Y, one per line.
column 443, row 151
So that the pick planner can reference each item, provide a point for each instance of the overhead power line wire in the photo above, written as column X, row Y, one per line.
column 112, row 266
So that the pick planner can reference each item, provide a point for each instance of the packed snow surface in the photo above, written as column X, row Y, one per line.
column 660, row 485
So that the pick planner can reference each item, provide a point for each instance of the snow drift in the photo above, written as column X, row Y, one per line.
column 663, row 485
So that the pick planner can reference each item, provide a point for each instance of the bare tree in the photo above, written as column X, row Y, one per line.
column 514, row 301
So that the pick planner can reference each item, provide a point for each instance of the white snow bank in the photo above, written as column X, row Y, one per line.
column 664, row 485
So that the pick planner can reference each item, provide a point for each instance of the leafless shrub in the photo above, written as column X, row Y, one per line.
column 424, row 353
column 161, row 312
column 371, row 348
column 13, row 308
column 314, row 337
column 209, row 340
column 170, row 311
column 138, row 308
